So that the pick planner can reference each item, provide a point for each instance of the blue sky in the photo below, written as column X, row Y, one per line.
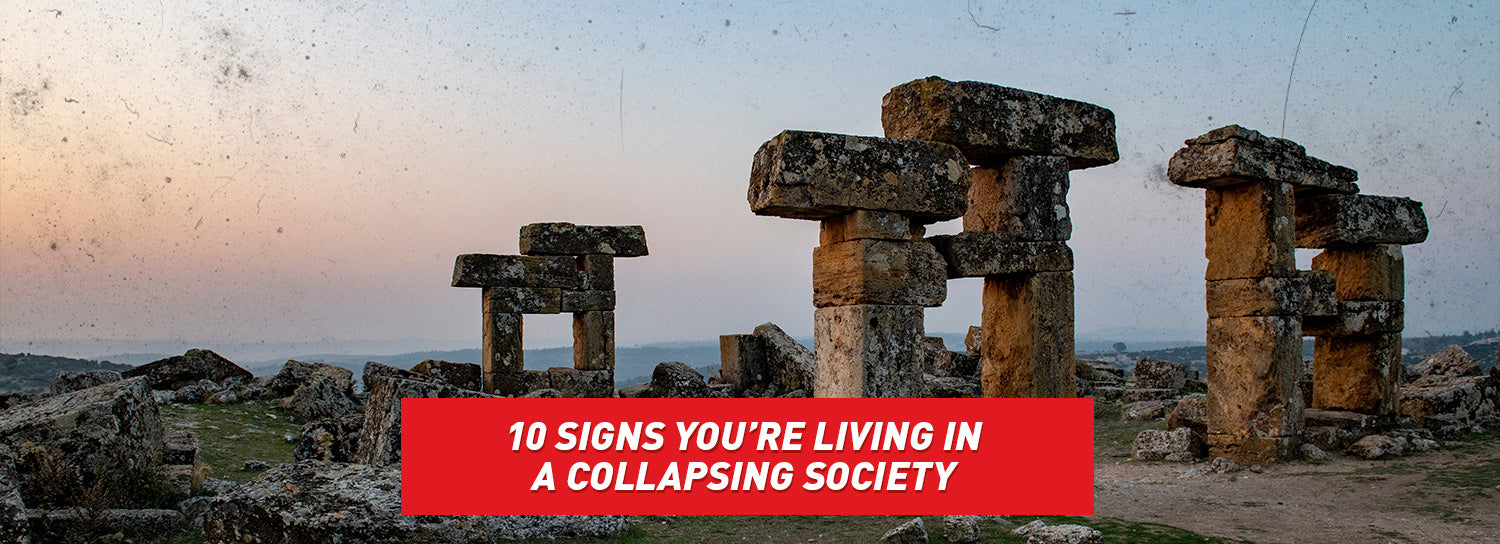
column 308, row 170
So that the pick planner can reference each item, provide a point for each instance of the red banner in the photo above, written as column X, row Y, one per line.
column 747, row 456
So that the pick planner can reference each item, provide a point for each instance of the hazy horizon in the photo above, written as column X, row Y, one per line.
column 295, row 172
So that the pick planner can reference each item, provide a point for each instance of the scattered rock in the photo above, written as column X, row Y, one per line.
column 1037, row 532
column 180, row 448
column 1130, row 395
column 317, row 501
column 256, row 465
column 1314, row 454
column 1177, row 445
column 1450, row 361
column 961, row 528
column 13, row 527
column 227, row 396
column 1157, row 374
column 674, row 380
column 911, row 532
column 66, row 525
column 461, row 375
column 323, row 396
column 948, row 387
column 1377, row 446
column 380, row 434
column 1222, row 465
column 109, row 425
column 547, row 393
column 187, row 369
column 1191, row 412
column 1423, row 444
column 374, row 371
column 191, row 394
column 640, row 390
column 68, row 382
column 1146, row 410
column 789, row 363
column 332, row 439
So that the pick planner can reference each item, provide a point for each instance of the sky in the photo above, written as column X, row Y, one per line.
column 307, row 171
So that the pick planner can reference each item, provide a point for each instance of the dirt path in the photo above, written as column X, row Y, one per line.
column 1446, row 496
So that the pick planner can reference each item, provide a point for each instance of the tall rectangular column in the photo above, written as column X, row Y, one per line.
column 1027, row 344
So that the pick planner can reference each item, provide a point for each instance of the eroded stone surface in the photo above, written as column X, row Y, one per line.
column 868, row 350
column 742, row 361
column 594, row 340
column 1359, row 317
column 1345, row 220
column 523, row 300
column 570, row 239
column 1026, row 199
column 865, row 225
column 188, row 369
column 1357, row 373
column 990, row 123
column 68, row 382
column 461, row 375
column 905, row 272
column 1176, row 445
column 1027, row 346
column 88, row 431
column 790, row 363
column 1233, row 155
column 814, row 175
column 1253, row 364
column 486, row 270
column 1373, row 272
column 380, row 434
column 1249, row 232
column 977, row 254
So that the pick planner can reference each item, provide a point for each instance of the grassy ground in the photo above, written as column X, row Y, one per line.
column 231, row 434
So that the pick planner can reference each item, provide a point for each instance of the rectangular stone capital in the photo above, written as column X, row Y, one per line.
column 816, row 175
column 1325, row 221
column 1359, row 318
column 486, row 270
column 865, row 225
column 904, row 272
column 977, row 254
column 1306, row 293
column 570, row 239
column 587, row 301
column 1025, row 199
column 1233, row 155
column 523, row 300
column 990, row 123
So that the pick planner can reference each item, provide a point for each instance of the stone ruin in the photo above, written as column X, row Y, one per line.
column 874, row 271
column 1265, row 198
column 562, row 268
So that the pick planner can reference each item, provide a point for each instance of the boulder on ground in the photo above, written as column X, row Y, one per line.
column 374, row 371
column 323, row 397
column 187, row 369
column 911, row 532
column 961, row 528
column 1146, row 410
column 13, row 529
column 1377, row 446
column 461, row 375
column 332, row 439
column 85, row 432
column 1190, row 412
column 68, row 524
column 675, row 380
column 68, row 382
column 1450, row 361
column 1157, row 374
column 1438, row 400
column 318, row 501
column 295, row 374
column 1176, row 445
column 1313, row 454
column 380, row 434
column 949, row 387
column 1038, row 532
column 789, row 363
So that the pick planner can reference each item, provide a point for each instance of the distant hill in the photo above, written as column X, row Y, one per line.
column 29, row 373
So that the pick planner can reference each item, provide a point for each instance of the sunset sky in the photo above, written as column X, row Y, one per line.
column 307, row 171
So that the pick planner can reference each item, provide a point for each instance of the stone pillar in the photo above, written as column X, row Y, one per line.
column 1357, row 350
column 872, row 271
column 565, row 268
column 1022, row 145
column 1265, row 197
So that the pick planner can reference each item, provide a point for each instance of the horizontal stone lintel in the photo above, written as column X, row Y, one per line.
column 587, row 301
column 817, row 175
column 1233, row 155
column 1325, row 221
column 570, row 239
column 990, row 123
column 977, row 254
column 523, row 300
column 486, row 270
column 1359, row 318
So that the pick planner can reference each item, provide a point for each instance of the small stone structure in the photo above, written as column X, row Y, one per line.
column 1022, row 145
column 562, row 268
column 1266, row 197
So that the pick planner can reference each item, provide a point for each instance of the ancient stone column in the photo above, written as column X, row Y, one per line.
column 1256, row 298
column 1357, row 350
column 872, row 272
column 1022, row 145
column 565, row 268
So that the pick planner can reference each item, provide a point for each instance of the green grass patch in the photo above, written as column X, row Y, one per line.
column 1112, row 435
column 230, row 434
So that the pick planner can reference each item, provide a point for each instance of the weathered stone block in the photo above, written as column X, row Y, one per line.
column 1191, row 412
column 977, row 254
column 1373, row 272
column 1357, row 373
column 85, row 432
column 1253, row 450
column 677, row 380
column 1027, row 346
column 380, row 434
column 588, row 301
column 1318, row 293
column 1233, row 155
column 868, row 350
column 501, row 352
column 594, row 340
column 594, row 384
column 461, row 375
column 1156, row 373
column 485, row 270
column 563, row 379
column 742, row 360
column 790, row 363
column 596, row 272
column 1249, row 231
column 523, row 300
column 972, row 340
column 1179, row 445
column 815, row 175
column 188, row 369
column 990, row 123
column 1358, row 317
column 570, row 239
column 865, row 225
column 905, row 272
column 1347, row 220
column 1253, row 364
column 179, row 447
column 1026, row 199
column 68, row 382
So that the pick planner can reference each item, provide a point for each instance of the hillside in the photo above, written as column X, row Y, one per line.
column 31, row 373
